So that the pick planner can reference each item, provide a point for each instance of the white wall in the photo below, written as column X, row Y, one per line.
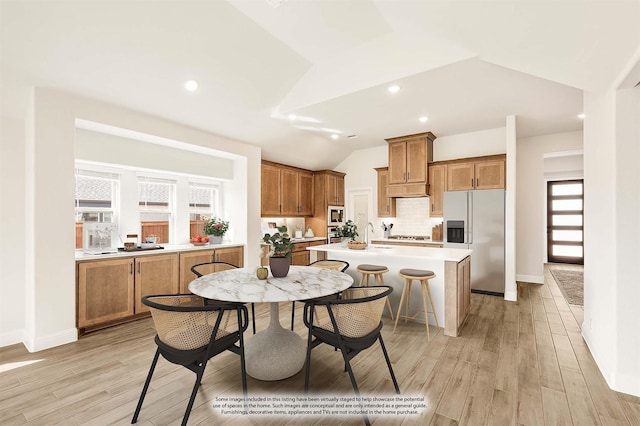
column 12, row 230
column 48, row 182
column 473, row 144
column 111, row 149
column 531, row 199
column 612, row 230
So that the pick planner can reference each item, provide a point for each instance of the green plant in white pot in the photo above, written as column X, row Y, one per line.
column 280, row 253
column 348, row 231
column 215, row 229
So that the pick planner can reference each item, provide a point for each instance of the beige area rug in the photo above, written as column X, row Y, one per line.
column 571, row 284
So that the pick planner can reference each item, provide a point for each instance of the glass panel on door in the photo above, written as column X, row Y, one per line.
column 565, row 208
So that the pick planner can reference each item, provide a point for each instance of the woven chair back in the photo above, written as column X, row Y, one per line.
column 336, row 265
column 355, row 319
column 192, row 328
column 211, row 267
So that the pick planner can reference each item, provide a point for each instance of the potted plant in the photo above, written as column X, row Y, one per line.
column 215, row 229
column 280, row 253
column 348, row 231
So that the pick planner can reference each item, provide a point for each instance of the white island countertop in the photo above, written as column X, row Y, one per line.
column 435, row 253
column 395, row 258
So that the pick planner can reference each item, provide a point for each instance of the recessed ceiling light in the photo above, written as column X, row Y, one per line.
column 191, row 85
column 292, row 117
column 334, row 136
column 393, row 89
column 581, row 116
column 276, row 3
column 352, row 136
column 423, row 119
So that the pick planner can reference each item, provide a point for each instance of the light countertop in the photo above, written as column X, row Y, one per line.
column 407, row 242
column 168, row 248
column 373, row 250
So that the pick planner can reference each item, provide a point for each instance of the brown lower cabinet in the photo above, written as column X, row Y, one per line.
column 109, row 291
column 232, row 255
column 457, row 295
column 301, row 255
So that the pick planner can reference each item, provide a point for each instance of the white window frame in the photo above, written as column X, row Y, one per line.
column 170, row 210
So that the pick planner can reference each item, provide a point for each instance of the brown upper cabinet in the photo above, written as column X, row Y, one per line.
column 437, row 187
column 409, row 157
column 286, row 191
column 329, row 189
column 386, row 205
column 479, row 173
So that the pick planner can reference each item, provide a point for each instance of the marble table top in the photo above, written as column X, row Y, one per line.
column 242, row 285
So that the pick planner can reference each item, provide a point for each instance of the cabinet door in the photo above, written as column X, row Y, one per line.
column 467, row 286
column 300, row 258
column 386, row 205
column 332, row 189
column 289, row 192
column 397, row 162
column 490, row 174
column 187, row 260
column 232, row 255
column 464, row 289
column 460, row 177
column 339, row 191
column 270, row 191
column 305, row 194
column 437, row 186
column 155, row 275
column 105, row 291
column 416, row 161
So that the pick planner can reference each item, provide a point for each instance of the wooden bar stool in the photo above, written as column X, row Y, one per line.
column 423, row 276
column 377, row 271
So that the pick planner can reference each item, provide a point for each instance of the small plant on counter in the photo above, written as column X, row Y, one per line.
column 216, row 226
column 280, row 242
column 348, row 230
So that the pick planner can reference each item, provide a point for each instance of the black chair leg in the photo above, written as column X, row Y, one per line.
column 253, row 317
column 194, row 392
column 386, row 357
column 355, row 388
column 293, row 313
column 146, row 386
column 307, row 370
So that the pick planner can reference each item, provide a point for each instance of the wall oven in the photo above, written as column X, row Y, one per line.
column 331, row 235
column 335, row 216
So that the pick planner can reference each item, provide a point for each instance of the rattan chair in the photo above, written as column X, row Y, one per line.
column 209, row 268
column 351, row 324
column 336, row 265
column 190, row 332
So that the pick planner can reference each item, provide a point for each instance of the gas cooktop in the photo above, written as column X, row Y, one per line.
column 409, row 237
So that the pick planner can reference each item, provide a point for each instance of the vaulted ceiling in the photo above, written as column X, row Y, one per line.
column 465, row 65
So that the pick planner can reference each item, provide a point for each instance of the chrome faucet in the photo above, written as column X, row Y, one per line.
column 366, row 234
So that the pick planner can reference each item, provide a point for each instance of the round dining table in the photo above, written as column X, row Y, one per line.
column 275, row 353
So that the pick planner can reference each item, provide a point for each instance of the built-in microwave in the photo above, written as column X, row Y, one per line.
column 335, row 215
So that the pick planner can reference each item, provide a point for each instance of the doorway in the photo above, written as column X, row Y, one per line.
column 358, row 211
column 565, row 224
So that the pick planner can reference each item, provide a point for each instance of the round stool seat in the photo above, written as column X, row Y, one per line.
column 422, row 273
column 377, row 271
column 372, row 268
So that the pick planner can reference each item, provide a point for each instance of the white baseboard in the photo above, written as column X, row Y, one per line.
column 11, row 337
column 511, row 296
column 616, row 381
column 530, row 279
column 46, row 342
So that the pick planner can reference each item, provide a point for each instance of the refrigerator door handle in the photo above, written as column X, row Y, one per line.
column 469, row 236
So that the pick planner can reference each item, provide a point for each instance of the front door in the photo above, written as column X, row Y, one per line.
column 565, row 232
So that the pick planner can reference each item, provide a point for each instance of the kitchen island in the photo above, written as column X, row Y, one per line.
column 450, row 289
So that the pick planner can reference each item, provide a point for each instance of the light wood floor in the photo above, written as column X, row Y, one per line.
column 515, row 363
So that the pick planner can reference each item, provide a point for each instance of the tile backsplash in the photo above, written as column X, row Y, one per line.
column 412, row 218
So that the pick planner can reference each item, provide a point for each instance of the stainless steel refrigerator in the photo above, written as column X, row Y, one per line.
column 475, row 220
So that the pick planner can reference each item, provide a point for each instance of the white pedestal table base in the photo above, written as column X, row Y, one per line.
column 274, row 353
